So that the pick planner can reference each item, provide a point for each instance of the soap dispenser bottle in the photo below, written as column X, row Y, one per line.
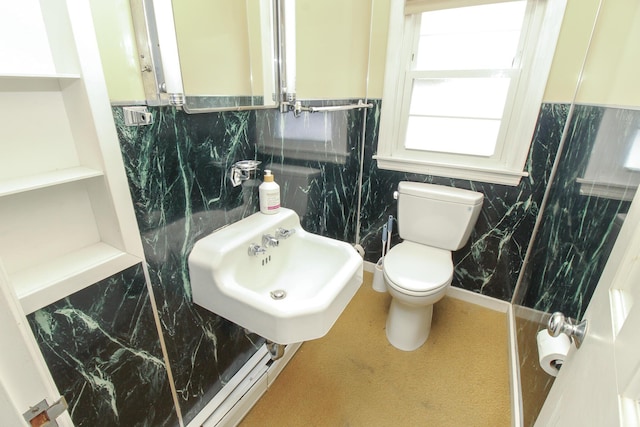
column 269, row 194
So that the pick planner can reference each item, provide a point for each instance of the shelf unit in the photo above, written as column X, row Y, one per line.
column 66, row 218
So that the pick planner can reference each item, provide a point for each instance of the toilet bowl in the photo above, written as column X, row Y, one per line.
column 417, row 277
column 433, row 221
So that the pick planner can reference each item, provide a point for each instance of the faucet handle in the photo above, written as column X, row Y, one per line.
column 269, row 240
column 255, row 250
column 283, row 233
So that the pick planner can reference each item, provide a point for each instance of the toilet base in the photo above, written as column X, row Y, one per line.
column 408, row 326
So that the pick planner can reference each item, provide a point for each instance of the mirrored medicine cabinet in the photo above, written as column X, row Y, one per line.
column 212, row 55
column 219, row 55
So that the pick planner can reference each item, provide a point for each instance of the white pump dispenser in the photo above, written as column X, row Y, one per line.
column 269, row 193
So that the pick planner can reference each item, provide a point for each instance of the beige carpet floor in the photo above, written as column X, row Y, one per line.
column 354, row 377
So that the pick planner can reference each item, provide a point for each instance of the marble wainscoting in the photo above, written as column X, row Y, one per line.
column 103, row 351
column 179, row 177
column 492, row 260
column 588, row 198
column 178, row 171
column 316, row 161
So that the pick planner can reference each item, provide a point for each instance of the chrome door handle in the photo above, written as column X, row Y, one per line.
column 559, row 324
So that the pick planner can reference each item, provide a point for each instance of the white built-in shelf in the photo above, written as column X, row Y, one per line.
column 34, row 83
column 64, row 225
column 46, row 179
column 52, row 76
column 46, row 283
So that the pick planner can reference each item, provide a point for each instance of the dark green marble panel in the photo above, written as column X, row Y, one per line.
column 103, row 351
column 316, row 159
column 178, row 171
column 491, row 262
column 580, row 223
column 577, row 231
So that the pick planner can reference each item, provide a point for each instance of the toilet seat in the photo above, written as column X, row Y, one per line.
column 416, row 269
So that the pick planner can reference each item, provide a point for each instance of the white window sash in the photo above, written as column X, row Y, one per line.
column 507, row 164
column 412, row 27
column 437, row 74
column 418, row 6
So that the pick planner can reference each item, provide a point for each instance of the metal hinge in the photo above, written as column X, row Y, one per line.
column 137, row 116
column 44, row 415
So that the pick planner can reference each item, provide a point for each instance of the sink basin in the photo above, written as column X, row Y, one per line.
column 293, row 291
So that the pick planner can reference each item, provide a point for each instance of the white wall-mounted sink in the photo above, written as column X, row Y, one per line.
column 292, row 292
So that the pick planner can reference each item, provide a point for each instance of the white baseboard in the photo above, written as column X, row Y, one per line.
column 222, row 401
column 491, row 303
column 531, row 314
column 245, row 389
column 515, row 386
column 241, row 400
column 463, row 294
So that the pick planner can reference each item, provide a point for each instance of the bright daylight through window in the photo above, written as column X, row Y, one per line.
column 463, row 86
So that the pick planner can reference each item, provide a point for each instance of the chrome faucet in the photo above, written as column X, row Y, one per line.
column 283, row 233
column 255, row 250
column 268, row 240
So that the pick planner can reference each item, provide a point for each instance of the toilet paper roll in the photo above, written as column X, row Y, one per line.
column 378, row 278
column 552, row 351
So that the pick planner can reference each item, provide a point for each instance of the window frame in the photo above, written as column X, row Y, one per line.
column 507, row 164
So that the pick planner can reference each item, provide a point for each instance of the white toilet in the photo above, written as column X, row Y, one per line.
column 433, row 220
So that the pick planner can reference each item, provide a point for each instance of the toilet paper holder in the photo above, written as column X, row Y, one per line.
column 559, row 324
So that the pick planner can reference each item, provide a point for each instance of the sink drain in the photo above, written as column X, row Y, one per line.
column 278, row 294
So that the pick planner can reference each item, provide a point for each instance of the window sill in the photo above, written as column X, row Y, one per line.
column 490, row 175
column 607, row 190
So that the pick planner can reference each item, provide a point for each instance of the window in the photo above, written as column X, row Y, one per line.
column 632, row 161
column 613, row 169
column 463, row 85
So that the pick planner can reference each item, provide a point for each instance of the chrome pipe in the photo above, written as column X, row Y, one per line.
column 357, row 106
column 275, row 350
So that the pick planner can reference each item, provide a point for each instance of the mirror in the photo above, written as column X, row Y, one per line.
column 613, row 169
column 227, row 54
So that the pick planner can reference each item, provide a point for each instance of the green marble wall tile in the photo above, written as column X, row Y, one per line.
column 491, row 261
column 102, row 348
column 178, row 171
column 587, row 201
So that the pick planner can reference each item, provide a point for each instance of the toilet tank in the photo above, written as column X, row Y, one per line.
column 436, row 215
column 296, row 184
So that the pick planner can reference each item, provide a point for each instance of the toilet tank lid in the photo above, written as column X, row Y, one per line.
column 440, row 192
